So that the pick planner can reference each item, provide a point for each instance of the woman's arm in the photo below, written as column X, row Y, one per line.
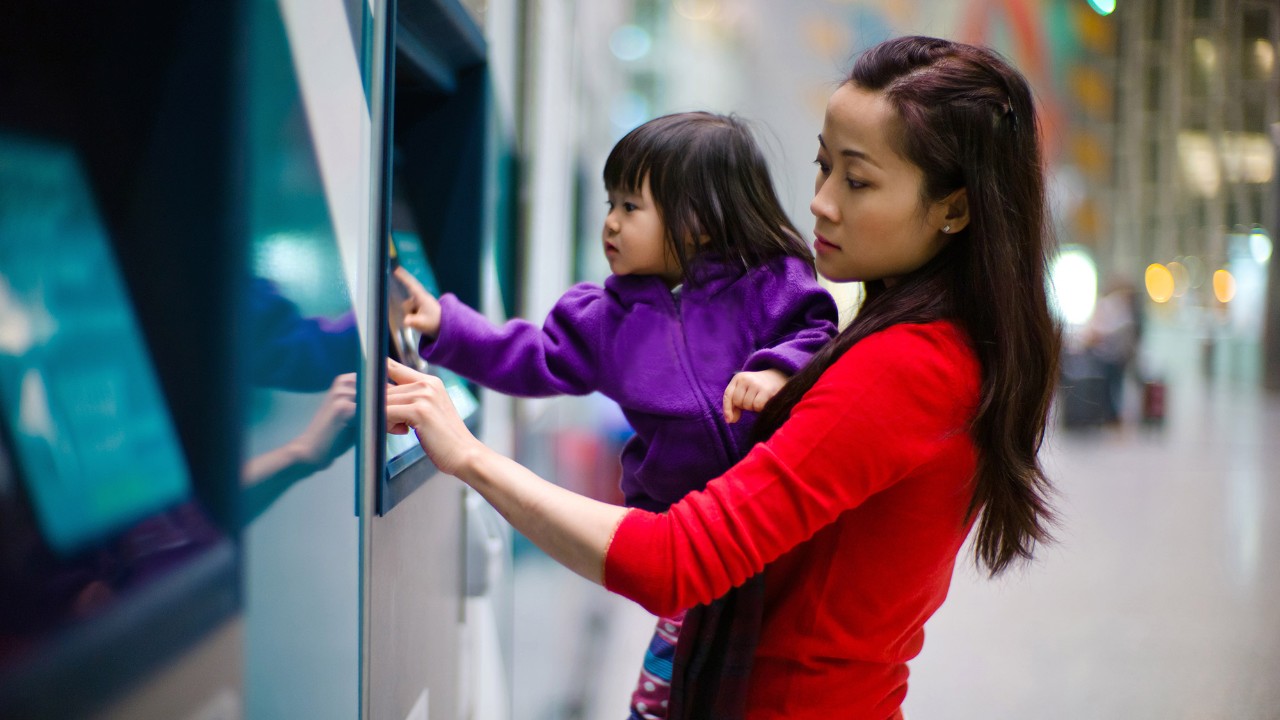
column 896, row 401
column 572, row 529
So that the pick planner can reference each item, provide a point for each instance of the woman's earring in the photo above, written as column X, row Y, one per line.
column 946, row 228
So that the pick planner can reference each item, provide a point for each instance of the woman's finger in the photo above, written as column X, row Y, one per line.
column 403, row 374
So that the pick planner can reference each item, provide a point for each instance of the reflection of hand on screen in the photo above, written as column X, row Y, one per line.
column 330, row 433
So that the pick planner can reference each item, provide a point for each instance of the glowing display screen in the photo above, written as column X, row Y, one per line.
column 93, row 441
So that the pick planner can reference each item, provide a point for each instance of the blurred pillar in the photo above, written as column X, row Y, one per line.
column 1271, row 329
column 1271, row 221
column 1128, row 241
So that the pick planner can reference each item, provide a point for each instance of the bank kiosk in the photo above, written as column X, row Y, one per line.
column 197, row 207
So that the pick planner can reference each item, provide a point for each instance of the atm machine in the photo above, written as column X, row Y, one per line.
column 120, row 565
column 201, row 515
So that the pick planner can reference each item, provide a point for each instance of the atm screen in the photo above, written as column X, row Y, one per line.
column 407, row 252
column 92, row 441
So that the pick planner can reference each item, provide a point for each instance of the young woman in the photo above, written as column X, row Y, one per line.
column 712, row 305
column 919, row 421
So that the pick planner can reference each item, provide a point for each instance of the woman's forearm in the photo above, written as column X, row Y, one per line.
column 572, row 529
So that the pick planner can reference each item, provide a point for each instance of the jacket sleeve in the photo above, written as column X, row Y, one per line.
column 562, row 357
column 893, row 402
column 799, row 317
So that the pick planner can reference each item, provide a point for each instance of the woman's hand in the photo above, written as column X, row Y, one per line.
column 331, row 431
column 572, row 529
column 750, row 391
column 421, row 402
column 422, row 309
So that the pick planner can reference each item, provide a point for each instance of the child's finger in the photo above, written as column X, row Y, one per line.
column 733, row 400
column 407, row 279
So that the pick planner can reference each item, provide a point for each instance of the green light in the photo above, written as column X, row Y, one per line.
column 1103, row 7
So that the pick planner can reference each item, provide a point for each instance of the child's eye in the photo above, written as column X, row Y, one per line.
column 629, row 207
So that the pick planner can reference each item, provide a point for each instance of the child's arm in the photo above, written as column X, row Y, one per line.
column 519, row 357
column 750, row 391
column 800, row 317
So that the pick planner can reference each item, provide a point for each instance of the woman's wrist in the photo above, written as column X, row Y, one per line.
column 473, row 458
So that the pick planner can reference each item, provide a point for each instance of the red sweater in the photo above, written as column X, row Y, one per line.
column 856, row 506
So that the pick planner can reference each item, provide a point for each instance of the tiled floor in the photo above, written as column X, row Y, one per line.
column 1161, row 598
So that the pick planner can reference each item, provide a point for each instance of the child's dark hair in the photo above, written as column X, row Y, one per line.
column 709, row 179
column 967, row 120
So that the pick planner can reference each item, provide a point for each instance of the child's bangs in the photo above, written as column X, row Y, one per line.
column 627, row 167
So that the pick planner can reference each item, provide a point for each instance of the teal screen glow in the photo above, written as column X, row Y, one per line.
column 96, row 448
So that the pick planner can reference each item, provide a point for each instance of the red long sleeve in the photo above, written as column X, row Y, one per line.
column 856, row 505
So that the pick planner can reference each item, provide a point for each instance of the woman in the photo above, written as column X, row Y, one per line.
column 921, row 419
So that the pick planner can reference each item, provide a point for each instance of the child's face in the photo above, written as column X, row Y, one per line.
column 870, row 222
column 635, row 239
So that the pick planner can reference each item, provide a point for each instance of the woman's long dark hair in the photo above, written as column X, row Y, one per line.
column 968, row 121
column 709, row 179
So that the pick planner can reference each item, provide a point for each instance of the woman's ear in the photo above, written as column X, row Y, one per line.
column 950, row 215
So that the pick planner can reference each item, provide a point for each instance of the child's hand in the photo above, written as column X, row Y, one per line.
column 421, row 310
column 750, row 391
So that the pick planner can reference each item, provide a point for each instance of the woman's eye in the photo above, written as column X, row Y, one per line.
column 822, row 166
column 854, row 184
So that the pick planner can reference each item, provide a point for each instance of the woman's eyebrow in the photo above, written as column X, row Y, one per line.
column 851, row 153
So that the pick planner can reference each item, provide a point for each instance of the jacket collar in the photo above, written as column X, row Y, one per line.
column 709, row 275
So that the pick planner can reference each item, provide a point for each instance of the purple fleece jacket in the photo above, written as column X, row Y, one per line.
column 665, row 359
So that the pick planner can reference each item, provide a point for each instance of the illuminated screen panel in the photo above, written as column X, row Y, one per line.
column 93, row 440
column 409, row 254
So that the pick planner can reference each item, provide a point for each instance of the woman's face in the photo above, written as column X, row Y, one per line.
column 870, row 221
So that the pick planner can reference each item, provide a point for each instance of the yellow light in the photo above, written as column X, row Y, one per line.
column 1265, row 54
column 1159, row 282
column 1207, row 53
column 1224, row 286
column 697, row 9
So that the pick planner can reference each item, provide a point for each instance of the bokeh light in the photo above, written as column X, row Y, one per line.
column 1159, row 282
column 1181, row 278
column 629, row 110
column 1103, row 7
column 1260, row 245
column 1265, row 55
column 697, row 9
column 629, row 43
column 1074, row 279
column 1224, row 285
column 1197, row 272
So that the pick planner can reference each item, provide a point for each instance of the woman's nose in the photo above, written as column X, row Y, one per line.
column 822, row 205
